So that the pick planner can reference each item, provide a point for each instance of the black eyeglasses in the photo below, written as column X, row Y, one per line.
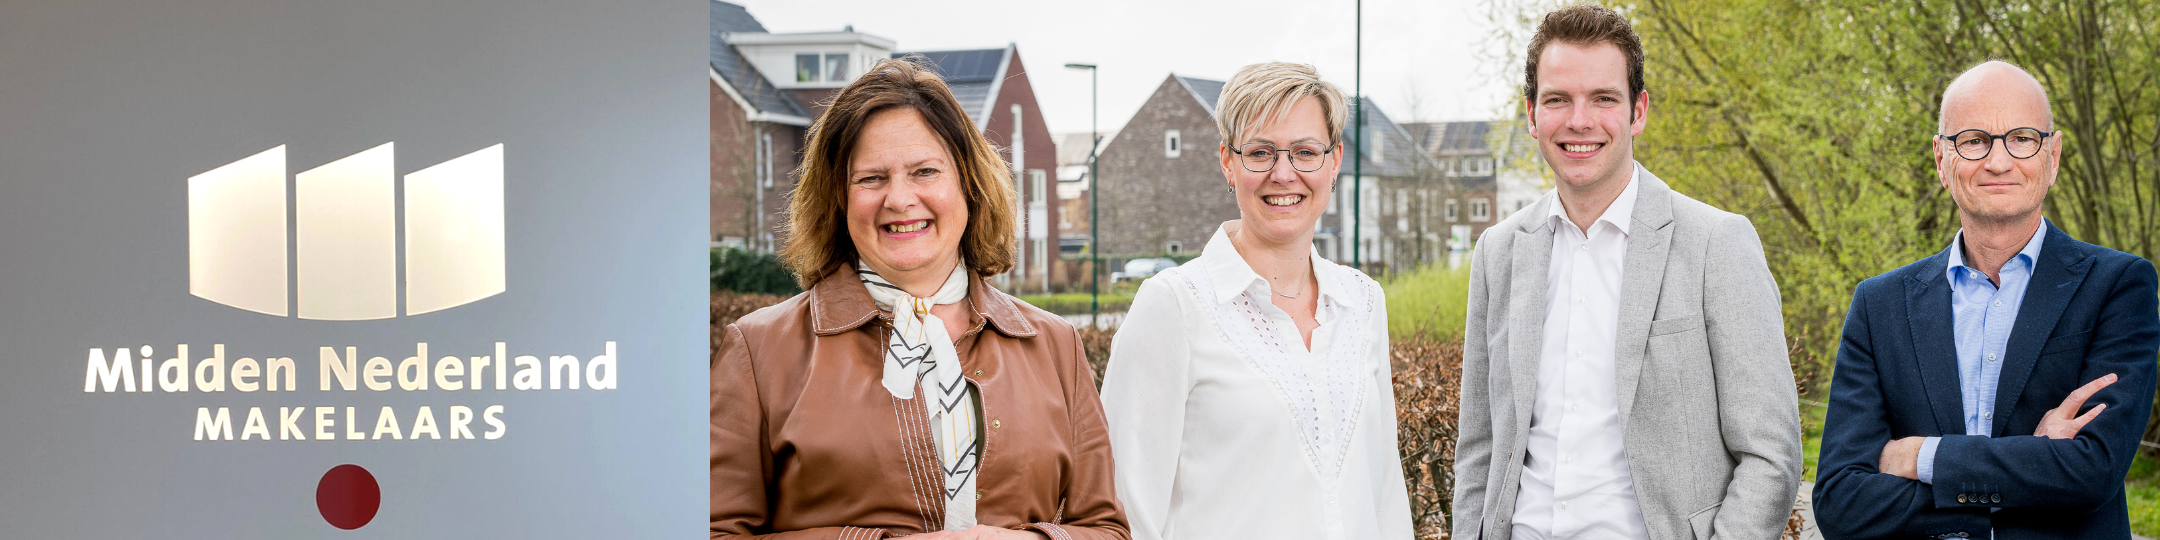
column 1261, row 157
column 1974, row 144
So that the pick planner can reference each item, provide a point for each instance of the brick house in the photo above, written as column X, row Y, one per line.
column 1395, row 173
column 1164, row 192
column 756, row 137
column 1073, row 152
column 1480, row 184
column 767, row 88
column 992, row 85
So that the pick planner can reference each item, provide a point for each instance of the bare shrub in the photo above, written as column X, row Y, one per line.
column 1428, row 381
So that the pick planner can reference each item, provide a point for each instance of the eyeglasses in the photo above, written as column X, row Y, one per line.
column 1261, row 157
column 1974, row 144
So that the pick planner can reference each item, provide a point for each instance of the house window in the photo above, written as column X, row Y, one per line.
column 1447, row 166
column 814, row 67
column 1480, row 210
column 1173, row 247
column 806, row 68
column 1172, row 144
column 1481, row 167
column 1450, row 210
column 1376, row 142
column 1402, row 202
column 836, row 67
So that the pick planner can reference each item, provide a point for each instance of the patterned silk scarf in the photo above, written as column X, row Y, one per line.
column 921, row 353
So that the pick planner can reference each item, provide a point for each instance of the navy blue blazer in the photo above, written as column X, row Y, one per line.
column 2088, row 311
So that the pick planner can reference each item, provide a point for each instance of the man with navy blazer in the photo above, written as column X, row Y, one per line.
column 1959, row 404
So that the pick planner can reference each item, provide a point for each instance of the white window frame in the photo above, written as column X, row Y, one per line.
column 1451, row 212
column 824, row 61
column 1480, row 210
column 1173, row 144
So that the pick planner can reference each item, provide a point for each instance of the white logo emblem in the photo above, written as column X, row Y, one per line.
column 344, row 224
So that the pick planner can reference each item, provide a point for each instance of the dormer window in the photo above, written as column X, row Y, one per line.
column 816, row 67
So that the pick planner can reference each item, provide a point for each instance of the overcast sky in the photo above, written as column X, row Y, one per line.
column 1422, row 54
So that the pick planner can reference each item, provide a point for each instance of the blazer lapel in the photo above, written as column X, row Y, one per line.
column 1927, row 301
column 1529, row 263
column 2056, row 274
column 1642, row 279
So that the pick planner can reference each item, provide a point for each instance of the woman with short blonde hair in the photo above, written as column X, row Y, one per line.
column 900, row 394
column 1254, row 380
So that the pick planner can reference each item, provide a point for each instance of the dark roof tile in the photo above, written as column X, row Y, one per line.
column 971, row 74
column 737, row 71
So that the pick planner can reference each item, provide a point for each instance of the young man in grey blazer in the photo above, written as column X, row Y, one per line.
column 1624, row 369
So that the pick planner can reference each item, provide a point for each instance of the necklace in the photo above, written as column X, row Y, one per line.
column 1290, row 296
column 1234, row 243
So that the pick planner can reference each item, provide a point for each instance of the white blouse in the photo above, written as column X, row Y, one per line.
column 1223, row 425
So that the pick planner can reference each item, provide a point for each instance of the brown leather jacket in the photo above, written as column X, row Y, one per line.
column 806, row 443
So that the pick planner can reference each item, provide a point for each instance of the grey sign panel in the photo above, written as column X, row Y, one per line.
column 537, row 189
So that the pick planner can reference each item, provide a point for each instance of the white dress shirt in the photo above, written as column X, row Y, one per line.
column 1575, row 481
column 1224, row 425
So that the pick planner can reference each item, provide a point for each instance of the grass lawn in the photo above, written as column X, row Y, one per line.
column 2143, row 486
column 1428, row 300
column 1811, row 425
column 1116, row 297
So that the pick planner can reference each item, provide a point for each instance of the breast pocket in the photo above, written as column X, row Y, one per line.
column 2073, row 343
column 1675, row 325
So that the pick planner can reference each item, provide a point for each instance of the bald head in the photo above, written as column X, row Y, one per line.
column 1994, row 92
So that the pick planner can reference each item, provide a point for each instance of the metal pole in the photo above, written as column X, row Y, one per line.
column 1357, row 166
column 1094, row 205
column 1094, row 199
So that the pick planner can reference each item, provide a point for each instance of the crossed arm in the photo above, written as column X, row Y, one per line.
column 1868, row 486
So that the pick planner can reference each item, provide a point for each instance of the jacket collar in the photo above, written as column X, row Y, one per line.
column 839, row 303
column 1651, row 205
column 2059, row 266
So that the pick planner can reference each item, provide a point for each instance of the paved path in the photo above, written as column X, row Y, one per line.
column 1806, row 505
column 1108, row 319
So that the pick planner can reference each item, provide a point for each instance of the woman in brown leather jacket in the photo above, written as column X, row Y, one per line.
column 901, row 395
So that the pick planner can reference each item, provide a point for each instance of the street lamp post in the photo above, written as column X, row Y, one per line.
column 1357, row 166
column 1094, row 200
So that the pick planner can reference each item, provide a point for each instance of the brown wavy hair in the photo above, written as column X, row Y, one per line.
column 817, row 238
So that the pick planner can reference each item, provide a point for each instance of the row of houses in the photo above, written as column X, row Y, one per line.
column 1417, row 192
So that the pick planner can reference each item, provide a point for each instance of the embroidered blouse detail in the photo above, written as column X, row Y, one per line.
column 1342, row 384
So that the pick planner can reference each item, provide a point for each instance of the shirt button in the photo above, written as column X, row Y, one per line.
column 1577, row 354
column 1573, row 408
column 1569, row 459
column 1987, row 416
column 1563, row 504
column 1585, row 247
column 996, row 424
column 1998, row 303
column 1991, row 357
column 1578, row 299
column 978, row 373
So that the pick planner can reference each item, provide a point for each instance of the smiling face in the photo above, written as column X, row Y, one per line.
column 1997, row 98
column 1582, row 117
column 905, row 209
column 1281, row 206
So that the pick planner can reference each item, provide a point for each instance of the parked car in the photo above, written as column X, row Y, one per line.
column 1142, row 268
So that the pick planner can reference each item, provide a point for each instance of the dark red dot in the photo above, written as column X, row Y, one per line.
column 348, row 497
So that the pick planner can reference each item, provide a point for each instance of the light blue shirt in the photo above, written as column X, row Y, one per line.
column 1981, row 316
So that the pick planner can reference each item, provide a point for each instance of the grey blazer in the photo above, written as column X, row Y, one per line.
column 1707, row 406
